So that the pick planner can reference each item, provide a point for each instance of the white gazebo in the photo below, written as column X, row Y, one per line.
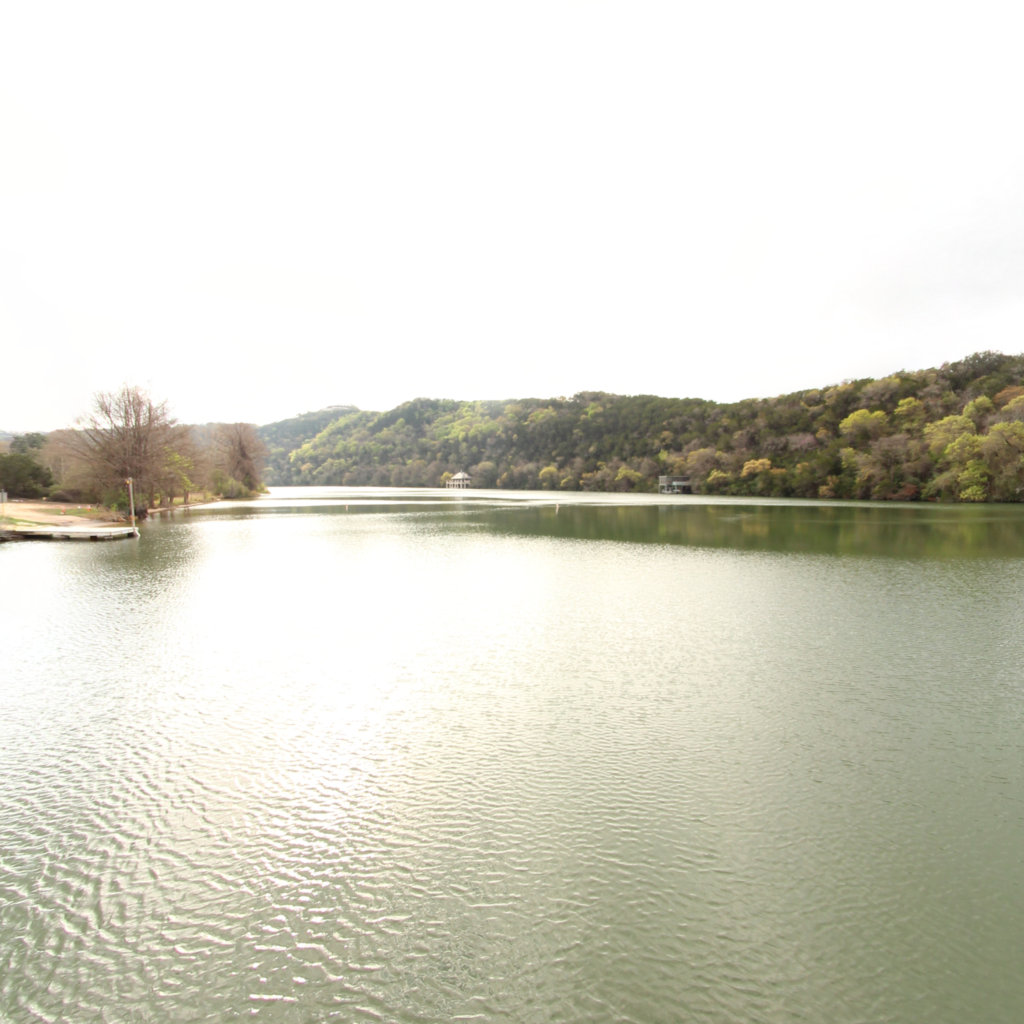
column 459, row 480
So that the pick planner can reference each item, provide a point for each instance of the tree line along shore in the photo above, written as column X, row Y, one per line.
column 130, row 437
column 951, row 433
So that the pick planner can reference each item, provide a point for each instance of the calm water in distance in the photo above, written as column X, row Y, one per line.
column 416, row 756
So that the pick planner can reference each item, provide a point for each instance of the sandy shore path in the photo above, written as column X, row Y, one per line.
column 48, row 513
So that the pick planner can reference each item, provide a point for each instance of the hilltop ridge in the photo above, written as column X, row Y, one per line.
column 954, row 432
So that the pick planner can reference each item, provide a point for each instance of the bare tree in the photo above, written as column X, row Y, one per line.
column 240, row 454
column 126, row 435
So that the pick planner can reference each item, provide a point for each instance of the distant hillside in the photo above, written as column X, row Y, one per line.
column 954, row 432
column 283, row 437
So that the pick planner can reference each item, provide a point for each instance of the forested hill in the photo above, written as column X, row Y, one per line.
column 955, row 433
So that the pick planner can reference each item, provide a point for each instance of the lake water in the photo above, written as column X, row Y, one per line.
column 417, row 756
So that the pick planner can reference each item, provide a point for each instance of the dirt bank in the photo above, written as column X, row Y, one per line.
column 47, row 513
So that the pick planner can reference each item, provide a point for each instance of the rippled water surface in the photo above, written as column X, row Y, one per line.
column 404, row 756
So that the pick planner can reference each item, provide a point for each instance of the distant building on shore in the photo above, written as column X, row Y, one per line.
column 459, row 480
column 674, row 485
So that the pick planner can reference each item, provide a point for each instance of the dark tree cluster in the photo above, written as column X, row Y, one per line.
column 21, row 474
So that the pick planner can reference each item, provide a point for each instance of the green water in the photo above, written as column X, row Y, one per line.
column 414, row 756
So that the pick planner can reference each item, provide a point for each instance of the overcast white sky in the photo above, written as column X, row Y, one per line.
column 254, row 210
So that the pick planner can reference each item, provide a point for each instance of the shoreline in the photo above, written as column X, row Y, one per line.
column 52, row 513
column 25, row 513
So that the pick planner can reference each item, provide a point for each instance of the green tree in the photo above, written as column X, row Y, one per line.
column 805, row 481
column 177, row 479
column 942, row 433
column 910, row 415
column 980, row 411
column 27, row 444
column 626, row 479
column 756, row 477
column 548, row 478
column 966, row 468
column 862, row 426
column 973, row 481
column 754, row 467
column 700, row 464
column 1002, row 450
column 22, row 477
column 484, row 474
column 718, row 482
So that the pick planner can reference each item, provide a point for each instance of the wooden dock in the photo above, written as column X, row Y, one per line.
column 68, row 532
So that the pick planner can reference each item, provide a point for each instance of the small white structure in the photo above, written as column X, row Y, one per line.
column 674, row 485
column 459, row 480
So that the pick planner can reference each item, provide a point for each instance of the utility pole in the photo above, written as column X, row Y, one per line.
column 131, row 505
